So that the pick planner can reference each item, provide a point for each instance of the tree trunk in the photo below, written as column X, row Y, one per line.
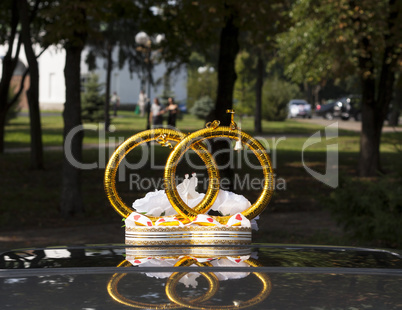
column 8, row 63
column 375, row 109
column 396, row 103
column 228, row 50
column 4, row 107
column 33, row 91
column 108, row 83
column 370, row 137
column 258, row 94
column 2, row 129
column 373, row 115
column 71, row 197
column 34, row 118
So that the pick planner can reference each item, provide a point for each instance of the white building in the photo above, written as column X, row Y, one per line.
column 52, row 87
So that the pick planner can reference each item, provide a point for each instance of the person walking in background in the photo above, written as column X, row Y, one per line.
column 172, row 109
column 142, row 101
column 156, row 115
column 115, row 100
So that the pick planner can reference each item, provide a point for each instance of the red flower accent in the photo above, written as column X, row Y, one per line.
column 136, row 217
column 149, row 223
column 238, row 217
column 210, row 220
column 137, row 261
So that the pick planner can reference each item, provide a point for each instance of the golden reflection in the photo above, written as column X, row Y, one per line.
column 175, row 277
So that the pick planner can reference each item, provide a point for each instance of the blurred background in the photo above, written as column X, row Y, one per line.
column 79, row 77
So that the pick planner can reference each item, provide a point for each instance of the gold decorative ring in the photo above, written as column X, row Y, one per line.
column 161, row 135
column 115, row 279
column 197, row 138
column 263, row 294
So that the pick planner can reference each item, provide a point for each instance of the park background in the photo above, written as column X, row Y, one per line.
column 253, row 57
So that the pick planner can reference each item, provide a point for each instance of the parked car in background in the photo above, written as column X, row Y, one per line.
column 351, row 107
column 299, row 108
column 344, row 108
column 327, row 110
column 354, row 105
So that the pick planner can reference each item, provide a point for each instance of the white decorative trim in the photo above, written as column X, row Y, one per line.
column 174, row 252
column 188, row 235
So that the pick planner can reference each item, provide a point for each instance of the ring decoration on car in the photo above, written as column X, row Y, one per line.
column 189, row 279
column 163, row 217
column 218, row 132
column 162, row 136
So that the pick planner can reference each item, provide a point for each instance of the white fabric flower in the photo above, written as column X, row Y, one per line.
column 228, row 203
column 159, row 263
column 188, row 280
column 224, row 262
column 157, row 204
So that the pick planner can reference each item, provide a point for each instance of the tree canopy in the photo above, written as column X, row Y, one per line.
column 340, row 38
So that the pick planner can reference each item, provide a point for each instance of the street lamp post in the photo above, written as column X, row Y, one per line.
column 145, row 42
column 145, row 47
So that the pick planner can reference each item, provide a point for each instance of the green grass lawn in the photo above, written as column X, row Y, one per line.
column 31, row 198
column 127, row 124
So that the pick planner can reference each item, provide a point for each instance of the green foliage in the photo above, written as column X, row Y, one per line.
column 70, row 22
column 202, row 107
column 341, row 38
column 313, row 48
column 200, row 84
column 244, row 90
column 92, row 100
column 276, row 95
column 371, row 210
column 331, row 38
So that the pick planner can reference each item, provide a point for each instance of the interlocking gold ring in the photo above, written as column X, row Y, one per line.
column 197, row 138
column 115, row 279
column 165, row 135
column 263, row 294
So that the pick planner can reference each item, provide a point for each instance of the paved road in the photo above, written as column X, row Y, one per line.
column 347, row 125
